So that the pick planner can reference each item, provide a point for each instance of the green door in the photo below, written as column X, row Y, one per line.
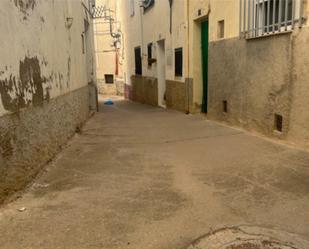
column 205, row 65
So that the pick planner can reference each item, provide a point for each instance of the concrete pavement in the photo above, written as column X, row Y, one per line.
column 140, row 177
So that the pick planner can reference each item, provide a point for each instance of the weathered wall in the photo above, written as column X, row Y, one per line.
column 105, row 53
column 151, row 26
column 299, row 118
column 44, row 76
column 176, row 95
column 260, row 78
column 41, row 56
column 117, row 88
column 254, row 77
column 144, row 90
column 109, row 60
column 31, row 137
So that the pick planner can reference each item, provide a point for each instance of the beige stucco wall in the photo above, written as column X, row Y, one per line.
column 259, row 78
column 38, row 34
column 150, row 27
column 299, row 117
column 213, row 11
column 132, row 36
column 45, row 95
column 227, row 10
column 240, row 71
column 109, row 59
column 254, row 77
column 105, row 53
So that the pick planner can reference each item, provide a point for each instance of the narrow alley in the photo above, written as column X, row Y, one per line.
column 143, row 177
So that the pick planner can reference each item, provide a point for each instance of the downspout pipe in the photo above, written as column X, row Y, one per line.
column 188, row 37
column 188, row 57
column 171, row 15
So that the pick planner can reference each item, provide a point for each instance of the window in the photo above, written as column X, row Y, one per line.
column 178, row 62
column 132, row 7
column 138, row 61
column 274, row 14
column 109, row 78
column 221, row 29
column 149, row 53
column 262, row 17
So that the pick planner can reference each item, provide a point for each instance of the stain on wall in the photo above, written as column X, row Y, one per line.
column 19, row 92
column 25, row 5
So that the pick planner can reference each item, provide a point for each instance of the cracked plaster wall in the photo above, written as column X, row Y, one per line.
column 44, row 77
column 37, row 40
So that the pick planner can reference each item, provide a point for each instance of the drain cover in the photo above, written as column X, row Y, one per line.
column 249, row 238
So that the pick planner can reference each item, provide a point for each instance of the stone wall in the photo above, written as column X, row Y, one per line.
column 259, row 78
column 46, row 71
column 299, row 124
column 117, row 88
column 144, row 90
column 31, row 137
column 176, row 95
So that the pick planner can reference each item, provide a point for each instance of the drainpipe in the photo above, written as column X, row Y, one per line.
column 142, row 33
column 171, row 15
column 188, row 37
column 188, row 56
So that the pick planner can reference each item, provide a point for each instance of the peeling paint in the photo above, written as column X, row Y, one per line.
column 27, row 89
column 25, row 5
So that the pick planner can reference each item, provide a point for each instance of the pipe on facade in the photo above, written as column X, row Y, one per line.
column 188, row 57
column 171, row 15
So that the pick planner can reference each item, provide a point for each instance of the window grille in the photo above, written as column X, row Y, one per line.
column 264, row 17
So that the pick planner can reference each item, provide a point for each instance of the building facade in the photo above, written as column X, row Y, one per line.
column 109, row 49
column 47, row 75
column 243, row 62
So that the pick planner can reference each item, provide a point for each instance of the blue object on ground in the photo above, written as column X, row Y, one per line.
column 108, row 102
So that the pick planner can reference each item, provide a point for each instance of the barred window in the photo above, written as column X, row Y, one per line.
column 264, row 17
